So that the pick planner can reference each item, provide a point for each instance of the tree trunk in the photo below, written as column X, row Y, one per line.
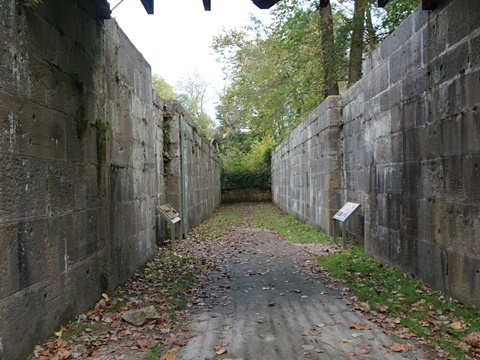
column 371, row 40
column 357, row 45
column 328, row 50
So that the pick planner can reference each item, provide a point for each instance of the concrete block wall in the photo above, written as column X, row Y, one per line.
column 411, row 150
column 202, row 163
column 307, row 167
column 81, row 165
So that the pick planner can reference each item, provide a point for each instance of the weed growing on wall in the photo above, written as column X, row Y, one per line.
column 166, row 141
column 31, row 3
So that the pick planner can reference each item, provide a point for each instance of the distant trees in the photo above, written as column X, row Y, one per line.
column 164, row 89
column 278, row 73
column 192, row 93
column 193, row 90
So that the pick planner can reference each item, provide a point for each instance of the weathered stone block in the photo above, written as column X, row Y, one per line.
column 23, row 187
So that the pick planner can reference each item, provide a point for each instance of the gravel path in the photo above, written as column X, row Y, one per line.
column 268, row 300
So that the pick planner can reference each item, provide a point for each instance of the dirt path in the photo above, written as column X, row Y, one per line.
column 270, row 301
column 258, row 296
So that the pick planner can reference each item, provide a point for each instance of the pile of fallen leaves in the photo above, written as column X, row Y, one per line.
column 104, row 333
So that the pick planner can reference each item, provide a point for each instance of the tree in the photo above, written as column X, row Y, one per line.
column 329, row 56
column 164, row 89
column 357, row 43
column 193, row 92
column 279, row 73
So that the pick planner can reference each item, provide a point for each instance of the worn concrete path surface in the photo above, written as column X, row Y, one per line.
column 270, row 301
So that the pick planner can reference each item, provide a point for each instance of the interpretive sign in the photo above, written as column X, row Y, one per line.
column 342, row 215
column 172, row 216
column 346, row 211
column 169, row 213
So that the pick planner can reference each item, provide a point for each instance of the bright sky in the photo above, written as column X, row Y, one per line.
column 176, row 39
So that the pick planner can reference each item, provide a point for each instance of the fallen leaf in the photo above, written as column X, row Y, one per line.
column 59, row 333
column 359, row 326
column 457, row 325
column 383, row 308
column 221, row 351
column 320, row 325
column 228, row 327
column 271, row 304
column 105, row 296
column 63, row 353
column 396, row 347
column 473, row 339
column 345, row 340
column 170, row 355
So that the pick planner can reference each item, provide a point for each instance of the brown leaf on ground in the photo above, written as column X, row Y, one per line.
column 170, row 355
column 473, row 339
column 359, row 326
column 366, row 347
column 383, row 308
column 396, row 347
column 364, row 307
column 146, row 343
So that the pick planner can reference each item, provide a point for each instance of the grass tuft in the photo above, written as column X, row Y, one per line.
column 268, row 216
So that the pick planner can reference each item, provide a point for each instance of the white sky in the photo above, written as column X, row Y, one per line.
column 176, row 39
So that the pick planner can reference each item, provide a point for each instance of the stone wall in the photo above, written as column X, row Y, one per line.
column 411, row 151
column 81, row 159
column 307, row 167
column 251, row 194
column 202, row 167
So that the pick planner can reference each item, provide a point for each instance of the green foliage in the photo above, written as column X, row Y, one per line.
column 78, row 79
column 392, row 15
column 166, row 141
column 277, row 73
column 80, row 43
column 268, row 216
column 424, row 311
column 53, row 62
column 31, row 3
column 164, row 89
column 246, row 179
column 154, row 353
column 243, row 153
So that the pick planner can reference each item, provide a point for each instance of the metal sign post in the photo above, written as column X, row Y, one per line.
column 343, row 215
column 172, row 217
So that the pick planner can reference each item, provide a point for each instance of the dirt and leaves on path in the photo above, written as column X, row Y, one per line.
column 175, row 281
